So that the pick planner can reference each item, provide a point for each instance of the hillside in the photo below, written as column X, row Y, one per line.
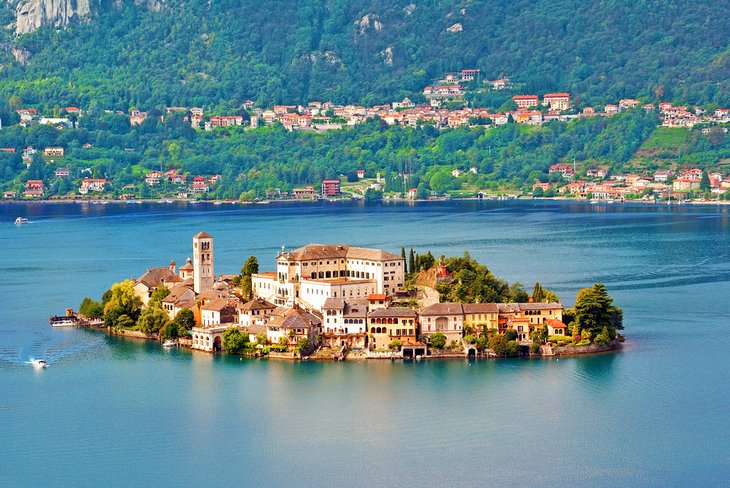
column 190, row 52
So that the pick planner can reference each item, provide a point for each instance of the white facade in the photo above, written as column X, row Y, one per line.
column 313, row 273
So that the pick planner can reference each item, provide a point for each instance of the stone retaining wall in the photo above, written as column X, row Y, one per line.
column 589, row 349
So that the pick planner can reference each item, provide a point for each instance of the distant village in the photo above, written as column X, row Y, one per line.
column 530, row 109
column 340, row 298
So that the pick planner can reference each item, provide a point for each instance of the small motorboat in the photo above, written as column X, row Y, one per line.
column 21, row 220
column 39, row 363
column 169, row 343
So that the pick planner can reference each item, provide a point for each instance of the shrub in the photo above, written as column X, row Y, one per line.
column 438, row 340
column 470, row 339
column 395, row 344
column 584, row 342
column 535, row 348
column 560, row 338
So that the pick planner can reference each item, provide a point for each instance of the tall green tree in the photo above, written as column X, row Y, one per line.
column 250, row 267
column 594, row 310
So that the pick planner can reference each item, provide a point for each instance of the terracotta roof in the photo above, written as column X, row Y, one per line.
column 312, row 252
column 187, row 266
column 202, row 234
column 257, row 304
column 556, row 324
column 448, row 308
column 177, row 292
column 218, row 304
column 393, row 312
column 154, row 277
column 539, row 306
column 293, row 318
column 480, row 308
column 334, row 304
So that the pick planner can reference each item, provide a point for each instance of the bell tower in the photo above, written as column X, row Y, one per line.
column 203, row 275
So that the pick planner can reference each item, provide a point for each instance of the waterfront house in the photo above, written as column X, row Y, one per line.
column 390, row 324
column 255, row 312
column 330, row 188
column 92, row 185
column 344, row 323
column 34, row 188
column 290, row 324
column 481, row 317
column 447, row 318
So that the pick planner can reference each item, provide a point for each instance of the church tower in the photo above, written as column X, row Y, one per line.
column 203, row 276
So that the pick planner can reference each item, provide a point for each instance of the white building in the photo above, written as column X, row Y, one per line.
column 311, row 274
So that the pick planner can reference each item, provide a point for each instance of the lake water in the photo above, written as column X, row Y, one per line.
column 111, row 412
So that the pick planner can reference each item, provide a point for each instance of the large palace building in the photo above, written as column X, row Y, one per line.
column 308, row 276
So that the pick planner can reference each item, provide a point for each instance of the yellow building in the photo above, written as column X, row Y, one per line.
column 481, row 316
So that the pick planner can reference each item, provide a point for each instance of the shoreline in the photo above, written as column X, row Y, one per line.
column 614, row 346
column 521, row 198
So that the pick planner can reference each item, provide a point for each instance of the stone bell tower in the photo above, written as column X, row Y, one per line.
column 203, row 275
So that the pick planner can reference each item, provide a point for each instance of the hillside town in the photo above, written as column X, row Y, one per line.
column 446, row 107
column 336, row 298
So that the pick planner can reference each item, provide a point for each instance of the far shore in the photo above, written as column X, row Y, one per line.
column 168, row 201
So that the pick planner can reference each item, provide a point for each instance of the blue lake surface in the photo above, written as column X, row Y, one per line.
column 115, row 412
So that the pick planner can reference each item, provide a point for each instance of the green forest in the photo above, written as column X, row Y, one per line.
column 368, row 51
column 253, row 162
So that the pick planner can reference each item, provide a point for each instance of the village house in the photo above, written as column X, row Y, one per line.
column 557, row 101
column 92, row 185
column 62, row 173
column 26, row 115
column 391, row 324
column 526, row 101
column 174, row 177
column 288, row 325
column 447, row 318
column 543, row 186
column 153, row 178
column 303, row 193
column 481, row 317
column 662, row 176
column 34, row 189
column 219, row 311
column 686, row 183
column 55, row 151
column 226, row 120
column 344, row 323
column 330, row 188
column 136, row 117
column 255, row 312
column 181, row 296
column 153, row 278
column 199, row 185
column 610, row 109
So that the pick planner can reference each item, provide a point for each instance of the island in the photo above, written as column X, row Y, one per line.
column 327, row 301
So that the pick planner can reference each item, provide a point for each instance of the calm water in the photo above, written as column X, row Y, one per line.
column 120, row 412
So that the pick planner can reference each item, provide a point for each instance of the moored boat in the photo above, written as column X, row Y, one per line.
column 169, row 343
column 21, row 220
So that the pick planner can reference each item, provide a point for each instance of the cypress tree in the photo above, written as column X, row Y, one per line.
column 412, row 262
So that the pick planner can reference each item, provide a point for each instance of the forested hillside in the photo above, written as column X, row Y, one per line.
column 215, row 54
